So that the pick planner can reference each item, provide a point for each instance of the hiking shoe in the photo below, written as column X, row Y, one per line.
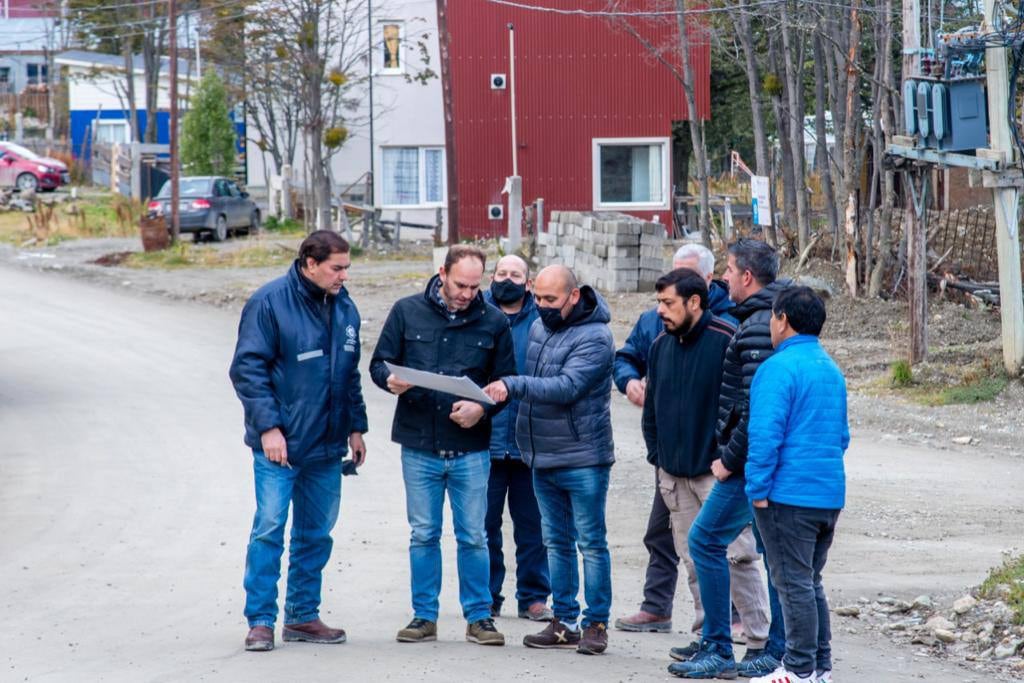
column 707, row 663
column 555, row 636
column 757, row 663
column 260, row 639
column 538, row 611
column 781, row 675
column 314, row 631
column 483, row 633
column 644, row 622
column 824, row 676
column 418, row 631
column 594, row 640
column 685, row 654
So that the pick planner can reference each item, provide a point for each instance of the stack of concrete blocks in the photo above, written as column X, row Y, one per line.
column 613, row 252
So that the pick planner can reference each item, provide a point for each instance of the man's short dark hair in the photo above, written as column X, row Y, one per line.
column 758, row 257
column 804, row 309
column 457, row 252
column 687, row 283
column 320, row 245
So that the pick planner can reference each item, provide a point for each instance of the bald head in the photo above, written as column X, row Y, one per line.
column 559, row 277
column 512, row 264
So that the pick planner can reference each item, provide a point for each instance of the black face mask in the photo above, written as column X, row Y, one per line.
column 552, row 318
column 508, row 292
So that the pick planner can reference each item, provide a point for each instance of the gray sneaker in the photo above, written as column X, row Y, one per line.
column 483, row 632
column 418, row 631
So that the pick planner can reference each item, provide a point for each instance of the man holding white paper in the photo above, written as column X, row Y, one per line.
column 447, row 330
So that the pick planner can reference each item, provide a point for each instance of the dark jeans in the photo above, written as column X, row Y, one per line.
column 512, row 479
column 797, row 540
column 663, row 565
column 777, row 630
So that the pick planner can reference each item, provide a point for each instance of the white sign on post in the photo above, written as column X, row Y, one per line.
column 761, row 200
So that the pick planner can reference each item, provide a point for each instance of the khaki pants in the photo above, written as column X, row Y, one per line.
column 684, row 497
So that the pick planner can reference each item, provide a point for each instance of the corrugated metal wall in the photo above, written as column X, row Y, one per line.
column 577, row 78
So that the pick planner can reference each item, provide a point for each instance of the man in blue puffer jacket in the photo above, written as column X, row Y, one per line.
column 564, row 430
column 510, row 477
column 795, row 479
column 296, row 372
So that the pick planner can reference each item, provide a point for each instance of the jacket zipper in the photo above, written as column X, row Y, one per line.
column 330, row 384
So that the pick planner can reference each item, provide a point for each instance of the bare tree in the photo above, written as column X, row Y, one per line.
column 696, row 128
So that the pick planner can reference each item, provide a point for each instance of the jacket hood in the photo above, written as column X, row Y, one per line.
column 719, row 302
column 591, row 308
column 759, row 301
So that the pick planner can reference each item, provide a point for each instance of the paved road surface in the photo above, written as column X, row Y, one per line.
column 125, row 500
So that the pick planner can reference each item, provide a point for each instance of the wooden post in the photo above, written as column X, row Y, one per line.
column 917, row 280
column 286, row 191
column 515, row 213
column 172, row 39
column 398, row 228
column 367, row 211
column 1007, row 207
column 438, row 224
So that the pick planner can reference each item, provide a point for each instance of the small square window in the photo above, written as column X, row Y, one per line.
column 37, row 74
column 413, row 176
column 630, row 173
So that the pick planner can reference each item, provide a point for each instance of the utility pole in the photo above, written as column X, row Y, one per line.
column 172, row 37
column 917, row 276
column 444, row 39
column 370, row 200
column 1006, row 201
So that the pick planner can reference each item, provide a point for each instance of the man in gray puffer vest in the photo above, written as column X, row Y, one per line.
column 564, row 431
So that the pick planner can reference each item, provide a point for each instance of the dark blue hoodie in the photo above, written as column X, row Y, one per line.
column 503, row 425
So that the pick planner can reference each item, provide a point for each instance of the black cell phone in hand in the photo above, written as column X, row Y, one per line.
column 348, row 466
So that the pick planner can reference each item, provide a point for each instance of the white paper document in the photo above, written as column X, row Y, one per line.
column 457, row 386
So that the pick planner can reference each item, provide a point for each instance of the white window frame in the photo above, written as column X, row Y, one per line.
column 385, row 71
column 421, row 167
column 666, row 176
column 123, row 123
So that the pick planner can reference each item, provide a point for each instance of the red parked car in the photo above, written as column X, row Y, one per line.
column 22, row 168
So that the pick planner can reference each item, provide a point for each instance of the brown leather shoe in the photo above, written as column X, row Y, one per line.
column 594, row 640
column 314, row 631
column 644, row 622
column 260, row 639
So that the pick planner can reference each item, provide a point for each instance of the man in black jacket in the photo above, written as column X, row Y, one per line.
column 449, row 329
column 680, row 411
column 751, row 272
column 296, row 371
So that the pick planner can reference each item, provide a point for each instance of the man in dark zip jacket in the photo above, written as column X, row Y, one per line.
column 511, row 478
column 296, row 371
column 448, row 329
column 630, row 372
column 565, row 433
column 751, row 273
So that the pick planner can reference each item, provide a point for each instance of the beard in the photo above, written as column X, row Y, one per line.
column 685, row 325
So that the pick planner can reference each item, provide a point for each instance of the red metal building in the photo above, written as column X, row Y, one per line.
column 595, row 104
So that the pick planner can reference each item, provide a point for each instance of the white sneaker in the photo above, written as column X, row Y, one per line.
column 824, row 677
column 781, row 675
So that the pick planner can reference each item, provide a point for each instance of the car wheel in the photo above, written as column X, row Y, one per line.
column 27, row 182
column 220, row 229
column 254, row 222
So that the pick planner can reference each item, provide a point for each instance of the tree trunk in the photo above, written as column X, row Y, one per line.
column 794, row 86
column 850, row 152
column 822, row 153
column 745, row 31
column 133, row 108
column 696, row 128
column 782, row 122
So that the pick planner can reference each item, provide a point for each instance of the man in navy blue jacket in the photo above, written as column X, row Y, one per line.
column 795, row 476
column 510, row 476
column 630, row 371
column 296, row 371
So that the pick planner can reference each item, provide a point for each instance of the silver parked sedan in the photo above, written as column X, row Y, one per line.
column 208, row 205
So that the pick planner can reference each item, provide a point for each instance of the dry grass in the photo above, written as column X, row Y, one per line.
column 51, row 223
column 257, row 254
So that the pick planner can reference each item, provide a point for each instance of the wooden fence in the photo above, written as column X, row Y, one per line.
column 36, row 104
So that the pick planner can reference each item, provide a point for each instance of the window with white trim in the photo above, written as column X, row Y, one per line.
column 392, row 50
column 413, row 176
column 113, row 130
column 631, row 172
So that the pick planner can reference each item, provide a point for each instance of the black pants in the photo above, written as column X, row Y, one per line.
column 663, row 565
column 796, row 543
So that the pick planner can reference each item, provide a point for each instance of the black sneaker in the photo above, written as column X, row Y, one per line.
column 685, row 654
column 555, row 636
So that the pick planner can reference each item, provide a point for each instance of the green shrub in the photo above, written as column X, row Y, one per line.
column 901, row 374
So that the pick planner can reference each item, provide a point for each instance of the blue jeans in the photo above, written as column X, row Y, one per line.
column 427, row 476
column 724, row 515
column 512, row 478
column 313, row 490
column 777, row 631
column 572, row 502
